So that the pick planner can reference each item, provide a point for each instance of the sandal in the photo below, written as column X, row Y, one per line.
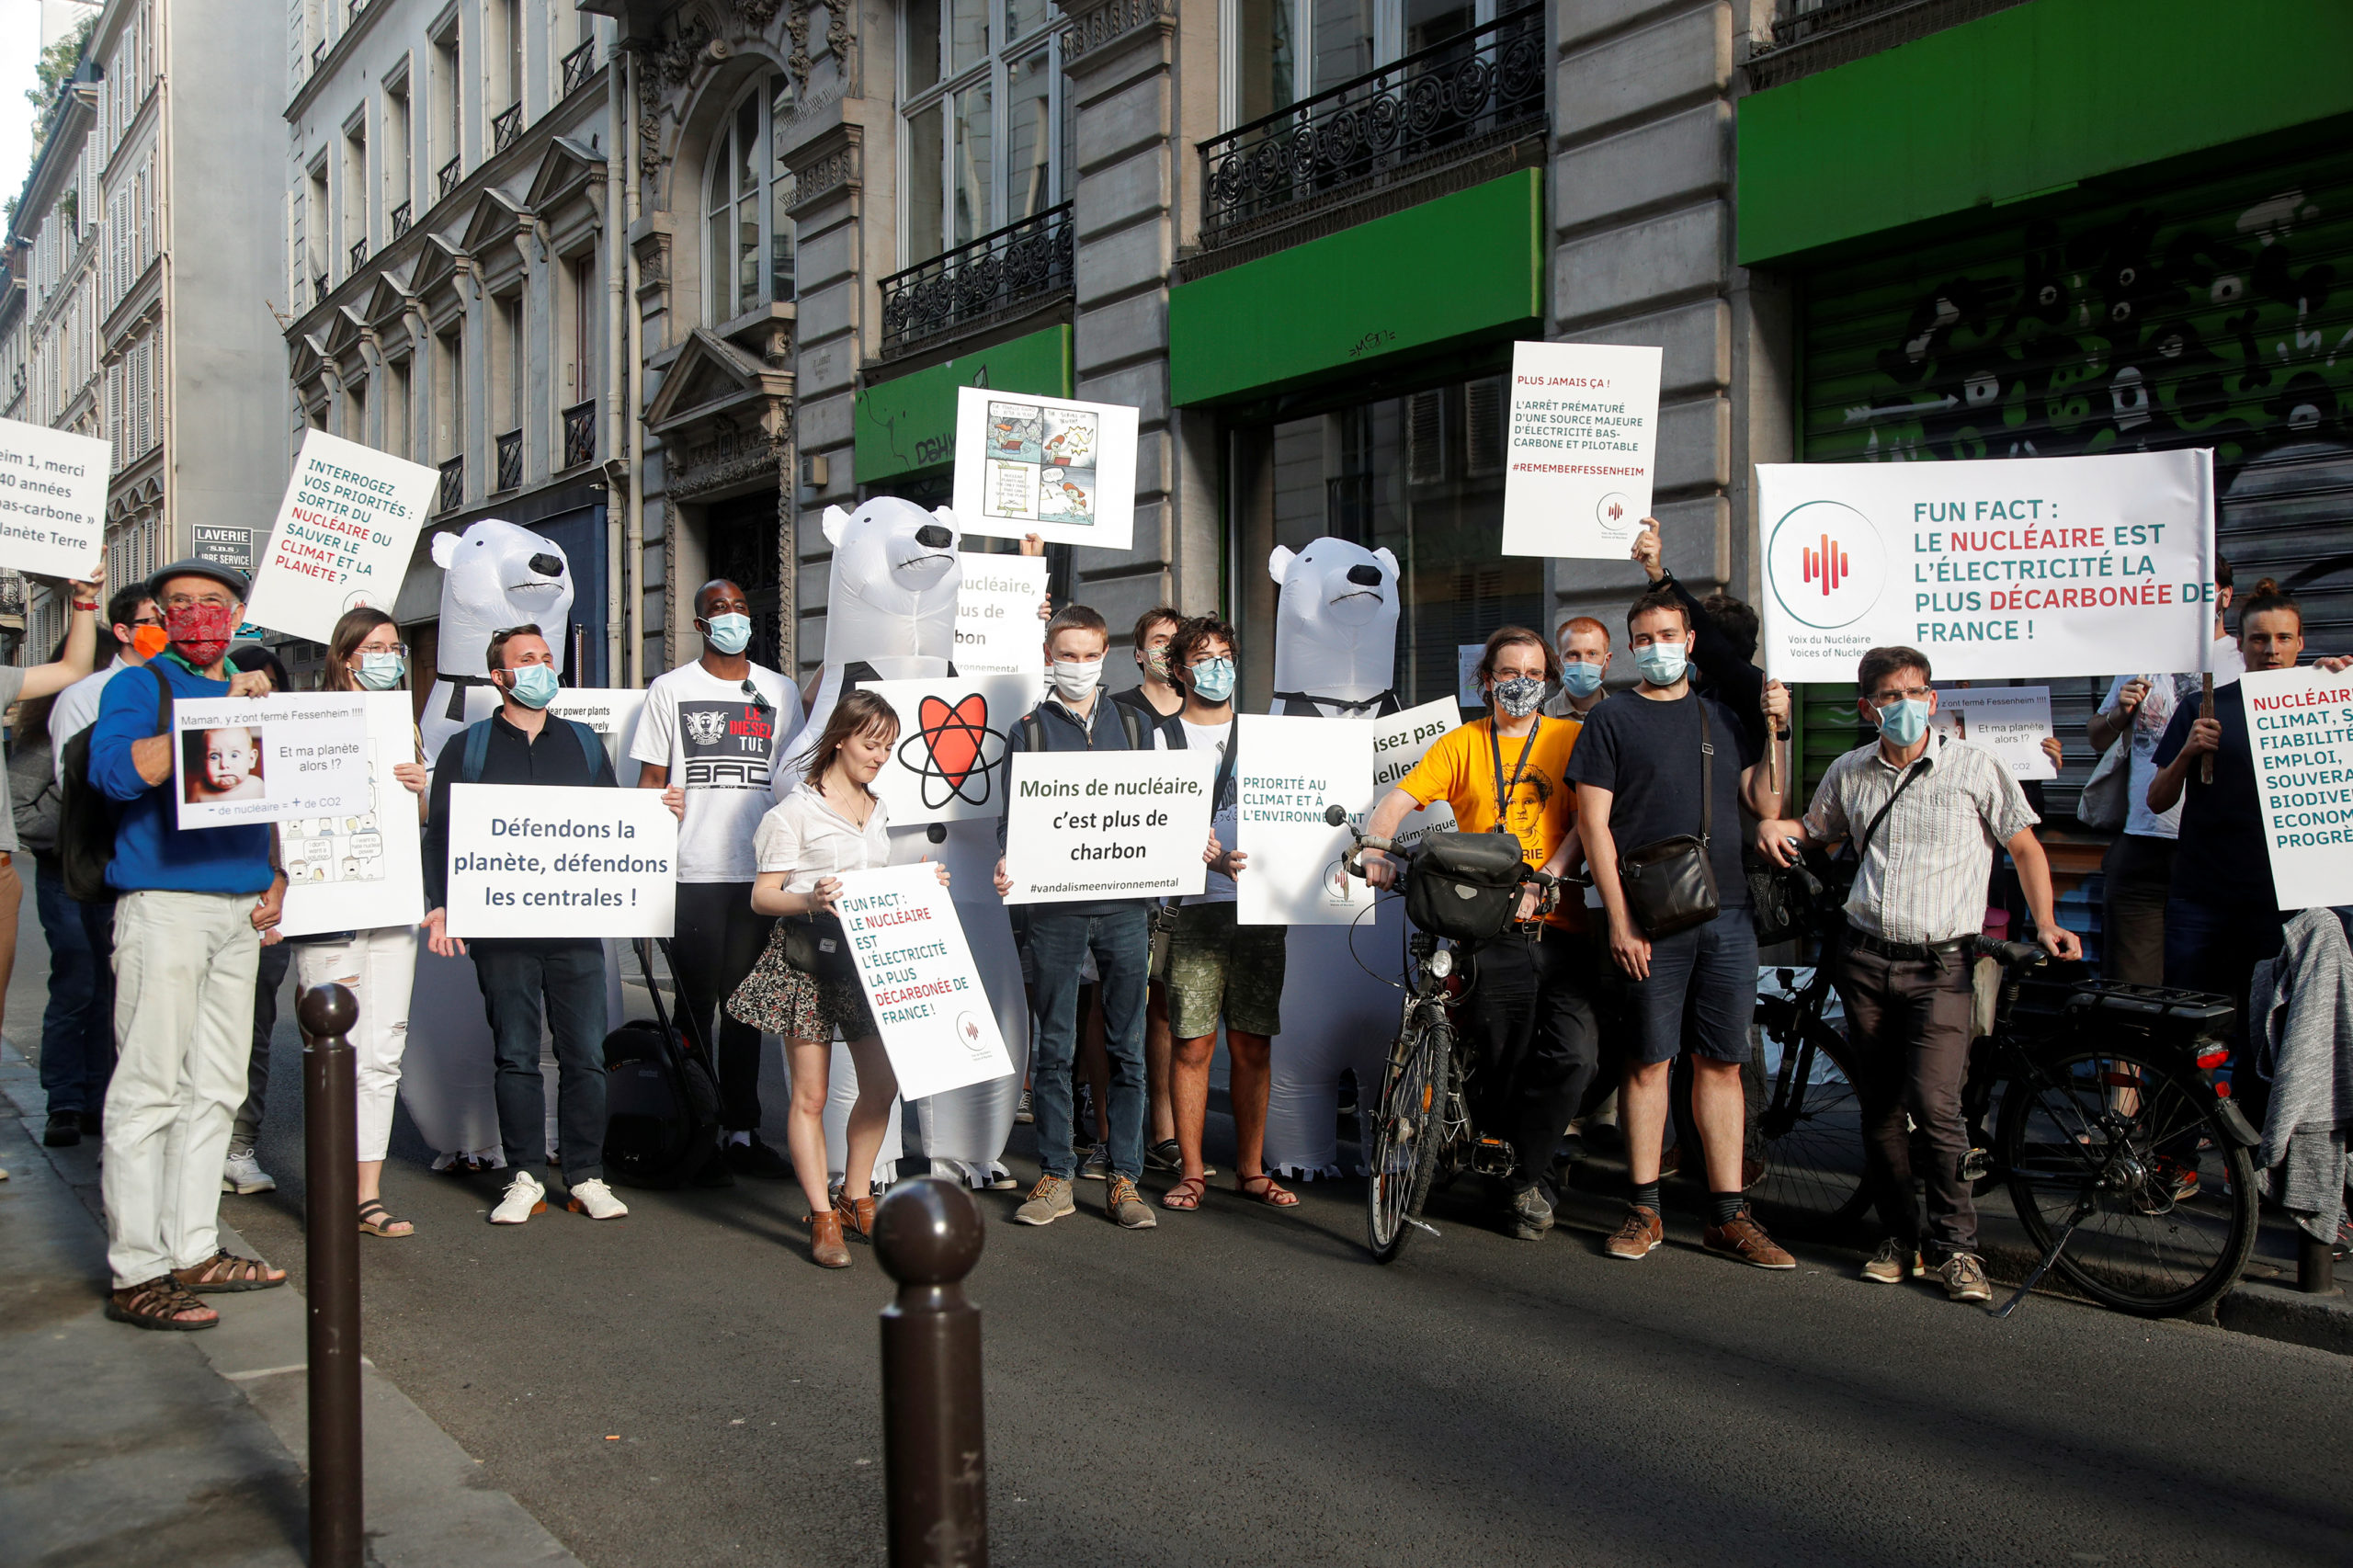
column 1273, row 1196
column 375, row 1220
column 226, row 1272
column 1186, row 1195
column 161, row 1302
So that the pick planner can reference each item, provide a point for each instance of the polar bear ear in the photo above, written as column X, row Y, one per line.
column 836, row 525
column 1278, row 563
column 1388, row 558
column 948, row 518
column 444, row 549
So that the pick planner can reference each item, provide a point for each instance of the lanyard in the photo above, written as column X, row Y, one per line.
column 1496, row 749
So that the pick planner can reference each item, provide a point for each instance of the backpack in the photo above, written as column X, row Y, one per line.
column 478, row 748
column 661, row 1098
column 86, row 818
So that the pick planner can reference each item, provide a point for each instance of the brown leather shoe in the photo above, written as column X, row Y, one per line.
column 825, row 1249
column 856, row 1215
column 1639, row 1236
column 1746, row 1240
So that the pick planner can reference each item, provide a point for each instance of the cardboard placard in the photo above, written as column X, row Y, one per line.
column 1288, row 770
column 2299, row 725
column 343, row 537
column 360, row 872
column 2011, row 721
column 949, row 765
column 920, row 982
column 53, row 500
column 1064, row 471
column 612, row 712
column 998, row 629
column 1398, row 743
column 530, row 861
column 1084, row 825
column 1580, row 448
column 252, row 759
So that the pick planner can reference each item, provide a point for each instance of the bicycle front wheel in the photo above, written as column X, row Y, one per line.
column 2132, row 1148
column 1405, row 1136
column 1812, row 1129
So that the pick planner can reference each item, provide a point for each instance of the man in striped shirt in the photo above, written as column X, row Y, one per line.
column 1928, row 815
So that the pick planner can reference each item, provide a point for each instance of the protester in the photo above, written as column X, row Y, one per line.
column 721, row 723
column 1154, row 699
column 1530, row 1008
column 72, row 1064
column 1155, row 694
column 1927, row 816
column 1724, row 639
column 525, row 744
column 240, row 1170
column 1217, row 967
column 1583, row 644
column 1114, row 932
column 1647, row 770
column 187, row 942
column 831, row 822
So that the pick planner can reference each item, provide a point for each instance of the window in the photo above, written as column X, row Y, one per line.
column 449, row 394
column 987, row 131
column 1278, row 52
column 747, row 202
column 354, row 192
column 580, row 327
column 509, row 44
column 315, row 224
column 354, row 412
column 396, row 157
column 398, row 409
column 448, row 107
column 507, row 360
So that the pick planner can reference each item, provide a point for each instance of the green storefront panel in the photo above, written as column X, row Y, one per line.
column 1462, row 267
column 2028, row 100
column 908, row 424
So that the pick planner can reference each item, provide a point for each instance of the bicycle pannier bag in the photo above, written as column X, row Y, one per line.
column 1669, row 884
column 1464, row 886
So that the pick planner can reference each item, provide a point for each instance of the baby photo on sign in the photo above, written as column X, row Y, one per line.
column 265, row 759
column 223, row 765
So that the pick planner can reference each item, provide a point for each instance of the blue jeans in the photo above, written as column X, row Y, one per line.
column 1122, row 943
column 76, row 1034
column 514, row 976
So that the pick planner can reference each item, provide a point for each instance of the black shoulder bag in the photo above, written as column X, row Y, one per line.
column 1465, row 886
column 1669, row 884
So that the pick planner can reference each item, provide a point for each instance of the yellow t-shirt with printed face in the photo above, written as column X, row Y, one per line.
column 1460, row 770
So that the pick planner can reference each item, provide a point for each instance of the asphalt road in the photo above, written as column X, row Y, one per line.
column 1245, row 1386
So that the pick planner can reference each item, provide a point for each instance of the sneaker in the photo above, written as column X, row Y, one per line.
column 1894, row 1263
column 1096, row 1166
column 756, row 1159
column 1744, row 1239
column 1022, row 1114
column 1639, row 1236
column 594, row 1198
column 1164, row 1157
column 63, row 1129
column 2179, row 1177
column 1048, row 1202
column 1964, row 1277
column 1530, row 1216
column 524, row 1197
column 1122, row 1201
column 241, row 1174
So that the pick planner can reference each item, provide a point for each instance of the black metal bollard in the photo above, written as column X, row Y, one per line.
column 928, row 1235
column 2315, row 1264
column 331, row 1175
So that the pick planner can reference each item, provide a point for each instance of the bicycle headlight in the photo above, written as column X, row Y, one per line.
column 1441, row 963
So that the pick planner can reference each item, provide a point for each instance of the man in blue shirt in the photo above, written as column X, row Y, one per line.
column 186, row 943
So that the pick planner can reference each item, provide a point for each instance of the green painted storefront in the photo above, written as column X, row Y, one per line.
column 907, row 424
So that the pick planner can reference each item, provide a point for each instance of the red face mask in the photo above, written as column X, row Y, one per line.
column 201, row 632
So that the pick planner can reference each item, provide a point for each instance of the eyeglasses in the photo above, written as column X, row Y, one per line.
column 189, row 601
column 400, row 648
column 1908, row 694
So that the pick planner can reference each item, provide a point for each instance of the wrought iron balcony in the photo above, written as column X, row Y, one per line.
column 358, row 252
column 578, row 66
column 452, row 173
column 12, row 594
column 504, row 127
column 320, row 288
column 1479, row 89
column 401, row 216
column 452, row 493
column 1018, row 265
column 580, row 434
column 356, row 7
column 510, row 461
column 1813, row 35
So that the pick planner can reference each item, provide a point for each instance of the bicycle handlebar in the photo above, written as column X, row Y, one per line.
column 2011, row 955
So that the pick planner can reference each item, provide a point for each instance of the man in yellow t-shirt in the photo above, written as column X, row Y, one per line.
column 1529, row 1009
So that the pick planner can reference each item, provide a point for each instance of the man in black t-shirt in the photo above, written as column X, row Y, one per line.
column 1638, row 769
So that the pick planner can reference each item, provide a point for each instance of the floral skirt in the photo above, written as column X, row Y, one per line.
column 777, row 999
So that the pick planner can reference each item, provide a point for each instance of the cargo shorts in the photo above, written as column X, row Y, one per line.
column 1216, row 966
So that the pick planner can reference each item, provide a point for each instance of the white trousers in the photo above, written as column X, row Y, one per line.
column 378, row 967
column 184, row 965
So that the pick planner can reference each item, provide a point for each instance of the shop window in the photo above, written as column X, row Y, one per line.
column 1278, row 52
column 986, row 136
column 747, row 200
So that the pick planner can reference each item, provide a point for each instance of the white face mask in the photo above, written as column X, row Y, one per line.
column 1075, row 680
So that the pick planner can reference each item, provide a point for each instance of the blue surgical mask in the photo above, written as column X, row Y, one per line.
column 730, row 634
column 1214, row 679
column 1661, row 664
column 535, row 686
column 1580, row 679
column 380, row 671
column 1904, row 722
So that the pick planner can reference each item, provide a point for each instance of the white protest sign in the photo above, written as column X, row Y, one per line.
column 53, row 500
column 948, row 763
column 2002, row 569
column 1064, row 471
column 1580, row 448
column 526, row 861
column 1398, row 743
column 612, row 712
column 2300, row 727
column 1098, row 825
column 998, row 629
column 921, row 983
column 2011, row 721
column 356, row 871
column 1288, row 768
column 343, row 537
column 249, row 759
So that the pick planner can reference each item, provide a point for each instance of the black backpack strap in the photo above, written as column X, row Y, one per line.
column 1131, row 725
column 1033, row 732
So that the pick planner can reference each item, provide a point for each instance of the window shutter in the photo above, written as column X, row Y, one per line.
column 1484, row 413
column 1425, row 436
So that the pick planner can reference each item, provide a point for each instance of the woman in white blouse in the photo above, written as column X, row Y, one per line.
column 831, row 822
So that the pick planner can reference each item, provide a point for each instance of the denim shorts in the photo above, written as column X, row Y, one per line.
column 1706, row 976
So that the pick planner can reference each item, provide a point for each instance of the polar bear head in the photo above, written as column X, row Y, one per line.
column 893, row 591
column 1335, row 618
column 498, row 574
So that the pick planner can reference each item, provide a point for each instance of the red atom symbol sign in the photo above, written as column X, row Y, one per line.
column 952, row 750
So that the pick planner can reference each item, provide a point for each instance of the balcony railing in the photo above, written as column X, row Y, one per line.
column 504, row 127
column 578, row 66
column 452, row 493
column 320, row 288
column 1813, row 35
column 452, row 173
column 510, row 461
column 318, row 54
column 358, row 254
column 401, row 216
column 1016, row 265
column 357, row 7
column 580, row 434
column 1480, row 87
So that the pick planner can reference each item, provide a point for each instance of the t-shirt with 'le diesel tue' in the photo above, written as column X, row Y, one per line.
column 722, row 743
